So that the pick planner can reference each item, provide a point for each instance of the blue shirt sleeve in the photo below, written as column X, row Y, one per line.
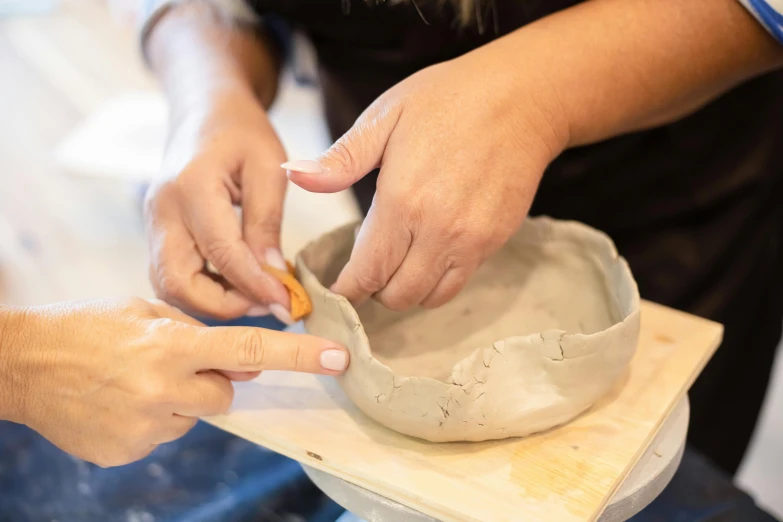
column 769, row 13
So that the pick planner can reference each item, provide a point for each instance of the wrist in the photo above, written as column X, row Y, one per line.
column 14, row 341
column 227, row 108
column 199, row 52
column 230, row 117
column 523, row 100
column 227, row 101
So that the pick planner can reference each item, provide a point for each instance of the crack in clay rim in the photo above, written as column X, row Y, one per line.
column 548, row 229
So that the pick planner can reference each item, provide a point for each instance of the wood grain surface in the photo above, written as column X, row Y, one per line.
column 564, row 474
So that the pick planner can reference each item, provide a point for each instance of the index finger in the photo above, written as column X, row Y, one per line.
column 247, row 349
column 177, row 274
column 216, row 229
column 380, row 248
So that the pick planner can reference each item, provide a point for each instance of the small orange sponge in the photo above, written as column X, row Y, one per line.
column 300, row 301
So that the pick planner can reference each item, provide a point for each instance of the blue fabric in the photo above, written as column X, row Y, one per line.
column 208, row 475
column 770, row 17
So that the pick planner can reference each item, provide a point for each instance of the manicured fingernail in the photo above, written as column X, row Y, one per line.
column 281, row 313
column 335, row 360
column 258, row 311
column 274, row 258
column 303, row 166
column 278, row 293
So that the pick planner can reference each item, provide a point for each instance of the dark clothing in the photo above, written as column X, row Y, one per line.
column 694, row 206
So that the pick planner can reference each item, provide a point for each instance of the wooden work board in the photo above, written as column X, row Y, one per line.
column 564, row 474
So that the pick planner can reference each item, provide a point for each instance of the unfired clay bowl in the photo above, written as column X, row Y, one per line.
column 543, row 330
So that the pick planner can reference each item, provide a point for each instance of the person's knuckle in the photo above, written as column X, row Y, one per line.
column 450, row 260
column 153, row 391
column 160, row 333
column 435, row 300
column 464, row 232
column 394, row 303
column 187, row 177
column 369, row 281
column 192, row 183
column 167, row 285
column 154, row 306
column 253, row 351
column 342, row 153
column 415, row 208
column 267, row 225
column 429, row 304
column 158, row 194
column 398, row 300
column 220, row 253
column 137, row 306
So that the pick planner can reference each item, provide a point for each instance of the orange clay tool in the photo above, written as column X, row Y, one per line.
column 300, row 301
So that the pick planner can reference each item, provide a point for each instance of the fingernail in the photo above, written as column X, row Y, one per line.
column 258, row 311
column 275, row 258
column 303, row 166
column 335, row 360
column 211, row 268
column 281, row 313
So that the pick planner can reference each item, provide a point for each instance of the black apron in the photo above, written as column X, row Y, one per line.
column 694, row 206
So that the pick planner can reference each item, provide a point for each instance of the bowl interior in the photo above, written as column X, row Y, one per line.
column 526, row 288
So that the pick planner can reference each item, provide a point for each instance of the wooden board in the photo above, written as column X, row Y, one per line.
column 565, row 474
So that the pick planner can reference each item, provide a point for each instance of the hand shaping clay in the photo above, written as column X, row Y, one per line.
column 540, row 332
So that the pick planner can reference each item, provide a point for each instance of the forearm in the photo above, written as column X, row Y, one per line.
column 12, row 337
column 200, row 58
column 614, row 66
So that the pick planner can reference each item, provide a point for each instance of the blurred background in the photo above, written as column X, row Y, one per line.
column 82, row 132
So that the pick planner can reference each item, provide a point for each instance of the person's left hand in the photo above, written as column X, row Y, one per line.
column 461, row 148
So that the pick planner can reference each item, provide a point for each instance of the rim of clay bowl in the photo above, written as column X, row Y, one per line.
column 546, row 229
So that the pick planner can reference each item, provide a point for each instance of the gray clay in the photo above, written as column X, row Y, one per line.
column 544, row 329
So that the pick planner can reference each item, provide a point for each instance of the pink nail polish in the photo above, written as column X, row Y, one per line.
column 335, row 360
column 282, row 315
column 274, row 257
column 303, row 166
column 258, row 311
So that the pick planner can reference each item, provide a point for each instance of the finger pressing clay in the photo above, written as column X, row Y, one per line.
column 543, row 330
column 301, row 305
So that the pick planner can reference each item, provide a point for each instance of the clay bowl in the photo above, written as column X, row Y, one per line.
column 542, row 331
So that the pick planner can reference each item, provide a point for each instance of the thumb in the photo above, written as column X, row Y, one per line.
column 357, row 153
column 245, row 349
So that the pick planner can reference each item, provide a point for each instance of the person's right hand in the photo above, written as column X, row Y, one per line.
column 107, row 381
column 228, row 157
